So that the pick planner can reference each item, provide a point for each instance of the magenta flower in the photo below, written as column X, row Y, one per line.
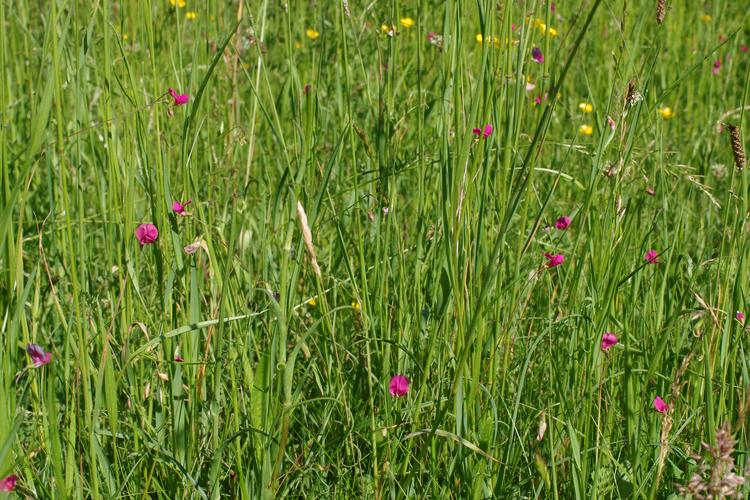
column 8, row 484
column 146, row 234
column 552, row 6
column 743, row 48
column 38, row 356
column 554, row 260
column 652, row 256
column 536, row 55
column 739, row 316
column 179, row 208
column 485, row 133
column 716, row 67
column 660, row 405
column 562, row 223
column 608, row 340
column 179, row 99
column 399, row 386
column 538, row 100
column 178, row 358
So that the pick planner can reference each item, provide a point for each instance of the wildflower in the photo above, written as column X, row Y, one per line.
column 179, row 99
column 665, row 112
column 586, row 129
column 608, row 340
column 716, row 67
column 399, row 386
column 485, row 132
column 739, row 316
column 146, row 234
column 407, row 22
column 612, row 124
column 554, row 260
column 530, row 86
column 178, row 358
column 652, row 257
column 660, row 405
column 536, row 55
column 38, row 356
column 177, row 3
column 706, row 18
column 562, row 223
column 298, row 45
column 312, row 302
column 552, row 32
column 311, row 33
column 479, row 38
column 388, row 30
column 552, row 6
column 191, row 15
column 538, row 100
column 8, row 484
column 125, row 37
column 356, row 306
column 179, row 208
column 586, row 107
column 743, row 48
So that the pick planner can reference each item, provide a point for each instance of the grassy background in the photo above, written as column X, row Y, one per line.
column 430, row 245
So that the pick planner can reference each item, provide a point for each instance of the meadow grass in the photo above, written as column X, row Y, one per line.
column 339, row 134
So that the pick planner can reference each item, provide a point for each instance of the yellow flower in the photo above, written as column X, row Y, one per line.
column 312, row 302
column 388, row 30
column 297, row 45
column 357, row 306
column 586, row 107
column 552, row 32
column 496, row 42
column 586, row 129
column 407, row 22
column 706, row 18
column 125, row 37
column 479, row 38
column 666, row 112
column 539, row 23
column 191, row 15
column 311, row 33
column 177, row 3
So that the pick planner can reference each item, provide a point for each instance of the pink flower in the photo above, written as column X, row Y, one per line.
column 554, row 260
column 716, row 67
column 562, row 223
column 179, row 208
column 652, row 256
column 612, row 123
column 178, row 358
column 552, row 6
column 485, row 133
column 8, row 484
column 38, row 356
column 743, row 48
column 608, row 340
column 538, row 100
column 536, row 55
column 399, row 386
column 146, row 234
column 179, row 99
column 431, row 36
column 739, row 316
column 660, row 405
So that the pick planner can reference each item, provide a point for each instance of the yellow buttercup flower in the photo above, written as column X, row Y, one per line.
column 665, row 112
column 407, row 22
column 706, row 18
column 191, row 15
column 311, row 33
column 586, row 107
column 552, row 32
column 479, row 38
column 312, row 302
column 357, row 306
column 125, row 37
column 388, row 30
column 177, row 3
column 586, row 129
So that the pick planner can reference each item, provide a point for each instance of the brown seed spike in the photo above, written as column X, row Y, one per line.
column 661, row 10
column 740, row 160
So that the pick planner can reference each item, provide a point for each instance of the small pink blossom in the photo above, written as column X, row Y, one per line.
column 716, row 67
column 485, row 133
column 38, row 356
column 538, row 100
column 399, row 386
column 554, row 260
column 8, row 484
column 536, row 55
column 179, row 99
column 146, row 234
column 660, row 405
column 179, row 208
column 552, row 6
column 178, row 358
column 652, row 256
column 608, row 340
column 739, row 316
column 612, row 123
column 431, row 36
column 562, row 223
column 743, row 48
